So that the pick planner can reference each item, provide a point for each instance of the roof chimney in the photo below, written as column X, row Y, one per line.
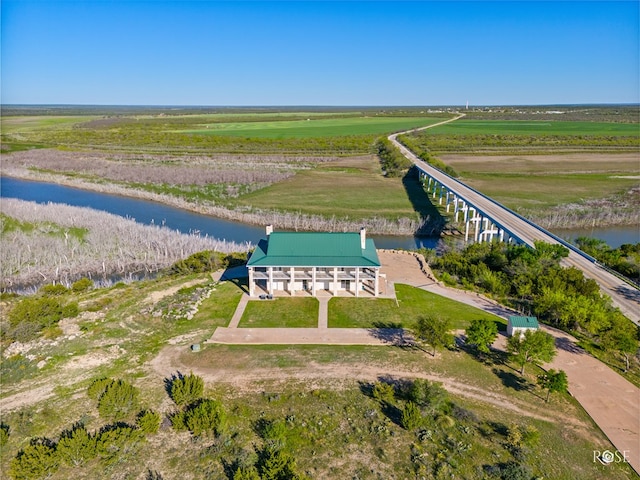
column 363, row 238
column 269, row 230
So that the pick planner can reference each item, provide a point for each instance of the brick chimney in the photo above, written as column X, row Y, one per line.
column 363, row 238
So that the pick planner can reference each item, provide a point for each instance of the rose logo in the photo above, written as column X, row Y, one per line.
column 607, row 456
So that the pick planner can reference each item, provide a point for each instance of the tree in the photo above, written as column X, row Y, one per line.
column 434, row 331
column 553, row 381
column 621, row 340
column 148, row 421
column 481, row 333
column 411, row 417
column 76, row 446
column 186, row 389
column 534, row 346
column 36, row 460
column 118, row 401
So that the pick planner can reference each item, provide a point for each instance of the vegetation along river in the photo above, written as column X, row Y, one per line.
column 147, row 212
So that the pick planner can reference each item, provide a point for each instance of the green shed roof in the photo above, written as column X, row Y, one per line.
column 313, row 249
column 523, row 322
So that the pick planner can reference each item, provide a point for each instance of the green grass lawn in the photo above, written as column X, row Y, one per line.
column 412, row 303
column 314, row 127
column 281, row 312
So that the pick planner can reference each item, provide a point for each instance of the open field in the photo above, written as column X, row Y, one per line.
column 286, row 180
column 351, row 188
column 312, row 128
column 558, row 190
column 322, row 395
column 536, row 128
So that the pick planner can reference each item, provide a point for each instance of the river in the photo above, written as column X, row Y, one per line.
column 147, row 212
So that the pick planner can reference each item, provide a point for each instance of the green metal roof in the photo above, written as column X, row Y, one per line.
column 313, row 249
column 523, row 322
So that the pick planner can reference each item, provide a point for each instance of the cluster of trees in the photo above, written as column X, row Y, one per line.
column 445, row 430
column 30, row 316
column 624, row 259
column 45, row 248
column 424, row 153
column 532, row 280
column 393, row 163
column 76, row 446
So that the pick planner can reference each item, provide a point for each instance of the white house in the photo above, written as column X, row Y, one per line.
column 311, row 262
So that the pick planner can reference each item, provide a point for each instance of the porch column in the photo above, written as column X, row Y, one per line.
column 251, row 283
column 335, row 281
column 270, row 285
column 292, row 285
column 375, row 282
column 357, row 281
column 313, row 281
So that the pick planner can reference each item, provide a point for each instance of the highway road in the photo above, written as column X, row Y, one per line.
column 623, row 295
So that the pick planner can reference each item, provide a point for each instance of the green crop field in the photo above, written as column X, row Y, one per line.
column 514, row 127
column 313, row 127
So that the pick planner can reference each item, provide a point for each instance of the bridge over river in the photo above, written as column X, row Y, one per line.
column 487, row 219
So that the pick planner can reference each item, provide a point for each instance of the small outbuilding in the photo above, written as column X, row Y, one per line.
column 519, row 325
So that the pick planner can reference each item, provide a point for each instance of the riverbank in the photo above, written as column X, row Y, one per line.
column 281, row 220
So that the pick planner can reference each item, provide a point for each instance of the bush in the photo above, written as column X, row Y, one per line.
column 4, row 434
column 246, row 473
column 76, row 446
column 36, row 460
column 53, row 290
column 98, row 386
column 411, row 417
column 148, row 421
column 204, row 417
column 118, row 401
column 185, row 390
column 82, row 285
column 32, row 314
column 117, row 442
column 383, row 392
column 428, row 394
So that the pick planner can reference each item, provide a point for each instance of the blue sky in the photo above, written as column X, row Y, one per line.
column 319, row 53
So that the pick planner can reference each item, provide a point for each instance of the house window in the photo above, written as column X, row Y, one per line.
column 345, row 284
column 305, row 284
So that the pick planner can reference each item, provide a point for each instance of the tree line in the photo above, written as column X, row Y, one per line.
column 532, row 281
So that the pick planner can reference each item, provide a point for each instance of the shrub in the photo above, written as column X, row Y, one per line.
column 428, row 394
column 411, row 417
column 204, row 417
column 36, row 460
column 383, row 392
column 148, row 421
column 76, row 446
column 98, row 386
column 117, row 442
column 119, row 400
column 246, row 473
column 82, row 285
column 53, row 290
column 186, row 389
column 29, row 316
column 4, row 434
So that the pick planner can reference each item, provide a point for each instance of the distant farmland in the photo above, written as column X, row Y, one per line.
column 314, row 127
column 500, row 127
